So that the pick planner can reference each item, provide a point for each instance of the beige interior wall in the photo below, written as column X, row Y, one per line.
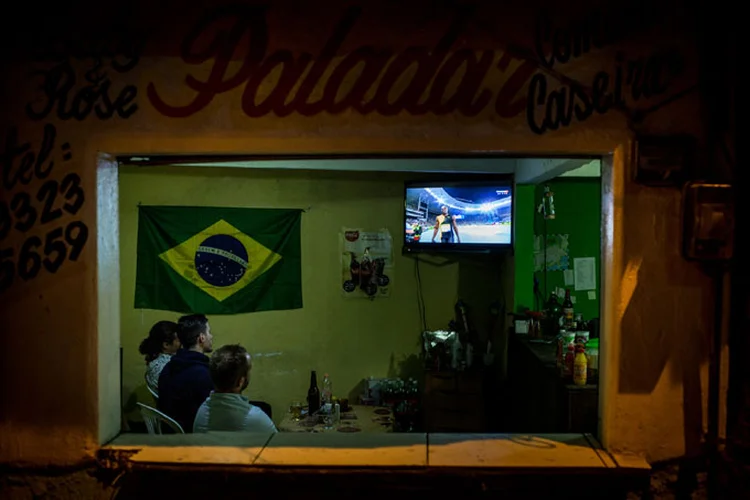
column 350, row 339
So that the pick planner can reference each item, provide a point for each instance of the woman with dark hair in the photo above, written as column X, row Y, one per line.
column 158, row 348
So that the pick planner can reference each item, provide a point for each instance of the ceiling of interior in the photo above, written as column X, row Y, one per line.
column 526, row 170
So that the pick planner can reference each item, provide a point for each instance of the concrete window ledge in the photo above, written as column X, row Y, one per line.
column 391, row 451
column 377, row 463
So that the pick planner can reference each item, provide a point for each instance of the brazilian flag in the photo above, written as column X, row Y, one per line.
column 218, row 260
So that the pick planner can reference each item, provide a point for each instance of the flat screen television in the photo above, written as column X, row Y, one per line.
column 459, row 216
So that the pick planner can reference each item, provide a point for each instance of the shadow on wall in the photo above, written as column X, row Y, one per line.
column 667, row 320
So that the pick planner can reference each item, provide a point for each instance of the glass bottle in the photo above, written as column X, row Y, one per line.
column 567, row 310
column 313, row 395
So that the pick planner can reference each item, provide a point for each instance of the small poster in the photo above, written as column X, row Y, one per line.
column 366, row 263
column 556, row 251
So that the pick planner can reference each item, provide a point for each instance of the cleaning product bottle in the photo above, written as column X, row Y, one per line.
column 580, row 366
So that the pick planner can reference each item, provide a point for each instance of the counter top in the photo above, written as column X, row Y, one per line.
column 545, row 352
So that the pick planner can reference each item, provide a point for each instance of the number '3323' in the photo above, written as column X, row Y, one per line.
column 22, row 213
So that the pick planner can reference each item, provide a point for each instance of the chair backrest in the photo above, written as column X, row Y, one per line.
column 154, row 418
column 153, row 392
column 265, row 407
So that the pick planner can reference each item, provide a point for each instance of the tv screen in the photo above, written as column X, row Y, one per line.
column 458, row 216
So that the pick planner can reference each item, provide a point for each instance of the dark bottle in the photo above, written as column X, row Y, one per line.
column 313, row 395
column 553, row 307
column 552, row 314
column 354, row 269
column 567, row 309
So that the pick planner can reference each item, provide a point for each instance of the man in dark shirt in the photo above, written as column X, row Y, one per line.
column 185, row 382
column 445, row 223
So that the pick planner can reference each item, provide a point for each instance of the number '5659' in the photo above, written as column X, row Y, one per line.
column 51, row 252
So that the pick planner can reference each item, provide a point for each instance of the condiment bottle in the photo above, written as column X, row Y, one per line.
column 580, row 367
column 569, row 360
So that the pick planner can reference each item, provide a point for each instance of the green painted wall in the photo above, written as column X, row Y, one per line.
column 524, row 248
column 578, row 214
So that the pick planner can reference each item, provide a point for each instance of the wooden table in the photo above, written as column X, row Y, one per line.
column 358, row 419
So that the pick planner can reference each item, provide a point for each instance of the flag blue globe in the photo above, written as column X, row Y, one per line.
column 221, row 260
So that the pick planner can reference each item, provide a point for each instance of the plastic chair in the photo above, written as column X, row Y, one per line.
column 265, row 407
column 153, row 392
column 154, row 418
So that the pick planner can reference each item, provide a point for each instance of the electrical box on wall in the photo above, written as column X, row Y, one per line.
column 663, row 161
column 708, row 221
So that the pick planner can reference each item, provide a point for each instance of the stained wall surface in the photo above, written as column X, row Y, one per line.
column 161, row 78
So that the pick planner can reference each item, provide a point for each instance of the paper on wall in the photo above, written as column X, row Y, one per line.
column 366, row 263
column 556, row 250
column 573, row 299
column 568, row 277
column 585, row 273
column 592, row 295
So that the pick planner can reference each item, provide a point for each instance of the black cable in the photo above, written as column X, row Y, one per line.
column 420, row 296
column 546, row 294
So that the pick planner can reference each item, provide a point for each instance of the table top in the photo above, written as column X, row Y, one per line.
column 359, row 418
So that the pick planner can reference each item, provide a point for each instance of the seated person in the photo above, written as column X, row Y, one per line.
column 226, row 409
column 185, row 382
column 158, row 348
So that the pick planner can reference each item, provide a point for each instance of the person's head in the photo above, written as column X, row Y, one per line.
column 444, row 210
column 230, row 368
column 195, row 333
column 162, row 338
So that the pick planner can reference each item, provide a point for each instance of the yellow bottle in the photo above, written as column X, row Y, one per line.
column 580, row 366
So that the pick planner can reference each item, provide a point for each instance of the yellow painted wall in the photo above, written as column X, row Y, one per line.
column 351, row 339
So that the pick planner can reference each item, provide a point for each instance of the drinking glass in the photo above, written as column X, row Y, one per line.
column 296, row 410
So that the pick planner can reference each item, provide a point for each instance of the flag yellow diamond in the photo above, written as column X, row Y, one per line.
column 221, row 260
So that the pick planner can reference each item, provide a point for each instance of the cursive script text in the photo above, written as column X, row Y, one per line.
column 374, row 71
column 62, row 95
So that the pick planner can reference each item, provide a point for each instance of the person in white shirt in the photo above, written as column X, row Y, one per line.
column 158, row 348
column 226, row 409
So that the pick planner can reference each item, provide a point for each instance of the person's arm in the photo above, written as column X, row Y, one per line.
column 437, row 226
column 201, row 389
column 455, row 229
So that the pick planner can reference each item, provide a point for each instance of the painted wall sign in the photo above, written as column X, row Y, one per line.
column 381, row 69
column 225, row 31
column 636, row 79
column 64, row 96
column 19, row 165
